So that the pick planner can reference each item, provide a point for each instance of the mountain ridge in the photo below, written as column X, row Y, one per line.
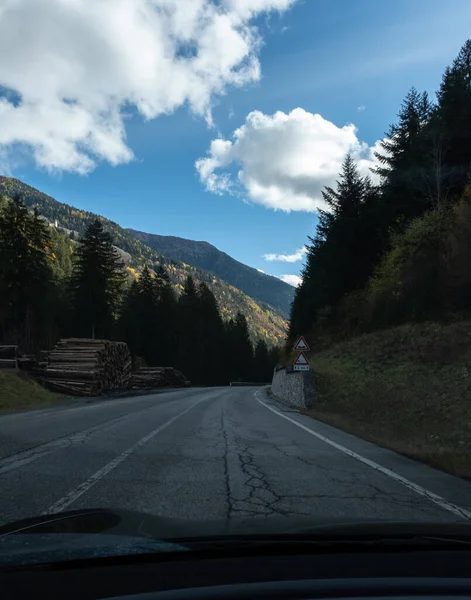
column 264, row 321
column 260, row 286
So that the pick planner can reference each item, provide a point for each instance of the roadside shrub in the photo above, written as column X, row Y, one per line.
column 351, row 315
column 408, row 284
column 457, row 256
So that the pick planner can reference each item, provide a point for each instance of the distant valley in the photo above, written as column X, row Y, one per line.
column 203, row 255
column 266, row 321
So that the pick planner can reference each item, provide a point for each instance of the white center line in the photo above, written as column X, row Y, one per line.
column 453, row 508
column 96, row 477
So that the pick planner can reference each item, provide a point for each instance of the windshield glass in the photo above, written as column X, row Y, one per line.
column 235, row 282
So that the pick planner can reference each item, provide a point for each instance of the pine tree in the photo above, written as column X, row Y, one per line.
column 129, row 326
column 454, row 120
column 414, row 114
column 27, row 290
column 161, row 277
column 241, row 350
column 343, row 253
column 96, row 284
column 425, row 163
column 300, row 316
column 42, row 284
column 403, row 160
column 167, row 315
column 148, row 320
column 211, row 337
column 228, row 352
column 188, row 331
column 148, row 309
column 14, row 264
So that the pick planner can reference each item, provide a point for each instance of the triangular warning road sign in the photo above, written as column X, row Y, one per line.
column 301, row 345
column 301, row 359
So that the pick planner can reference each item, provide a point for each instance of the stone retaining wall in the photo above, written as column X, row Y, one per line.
column 296, row 388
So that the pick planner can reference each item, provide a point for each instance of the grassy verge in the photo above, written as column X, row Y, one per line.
column 407, row 388
column 18, row 391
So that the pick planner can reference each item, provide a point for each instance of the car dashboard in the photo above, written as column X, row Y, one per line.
column 399, row 572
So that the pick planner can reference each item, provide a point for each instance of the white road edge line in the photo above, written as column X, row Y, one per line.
column 453, row 508
column 64, row 502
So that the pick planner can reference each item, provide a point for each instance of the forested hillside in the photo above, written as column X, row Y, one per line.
column 400, row 251
column 53, row 287
column 264, row 322
column 259, row 286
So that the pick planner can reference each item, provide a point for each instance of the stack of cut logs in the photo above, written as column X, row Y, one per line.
column 153, row 377
column 86, row 367
column 8, row 357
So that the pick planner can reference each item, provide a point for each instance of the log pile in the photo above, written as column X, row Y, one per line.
column 147, row 378
column 42, row 361
column 27, row 362
column 8, row 357
column 86, row 367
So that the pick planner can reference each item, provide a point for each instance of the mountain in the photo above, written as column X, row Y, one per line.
column 264, row 321
column 259, row 286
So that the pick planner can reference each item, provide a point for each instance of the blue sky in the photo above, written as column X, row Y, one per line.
column 350, row 62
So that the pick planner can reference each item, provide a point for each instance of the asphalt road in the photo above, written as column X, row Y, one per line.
column 206, row 454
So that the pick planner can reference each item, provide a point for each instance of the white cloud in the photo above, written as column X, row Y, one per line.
column 293, row 280
column 289, row 258
column 260, row 271
column 283, row 160
column 361, row 108
column 69, row 69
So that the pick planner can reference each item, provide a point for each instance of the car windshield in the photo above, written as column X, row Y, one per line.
column 235, row 283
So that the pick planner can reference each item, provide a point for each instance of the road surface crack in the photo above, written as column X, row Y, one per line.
column 254, row 495
column 226, row 468
column 349, row 479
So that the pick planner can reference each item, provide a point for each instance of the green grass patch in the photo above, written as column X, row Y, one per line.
column 18, row 391
column 407, row 388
